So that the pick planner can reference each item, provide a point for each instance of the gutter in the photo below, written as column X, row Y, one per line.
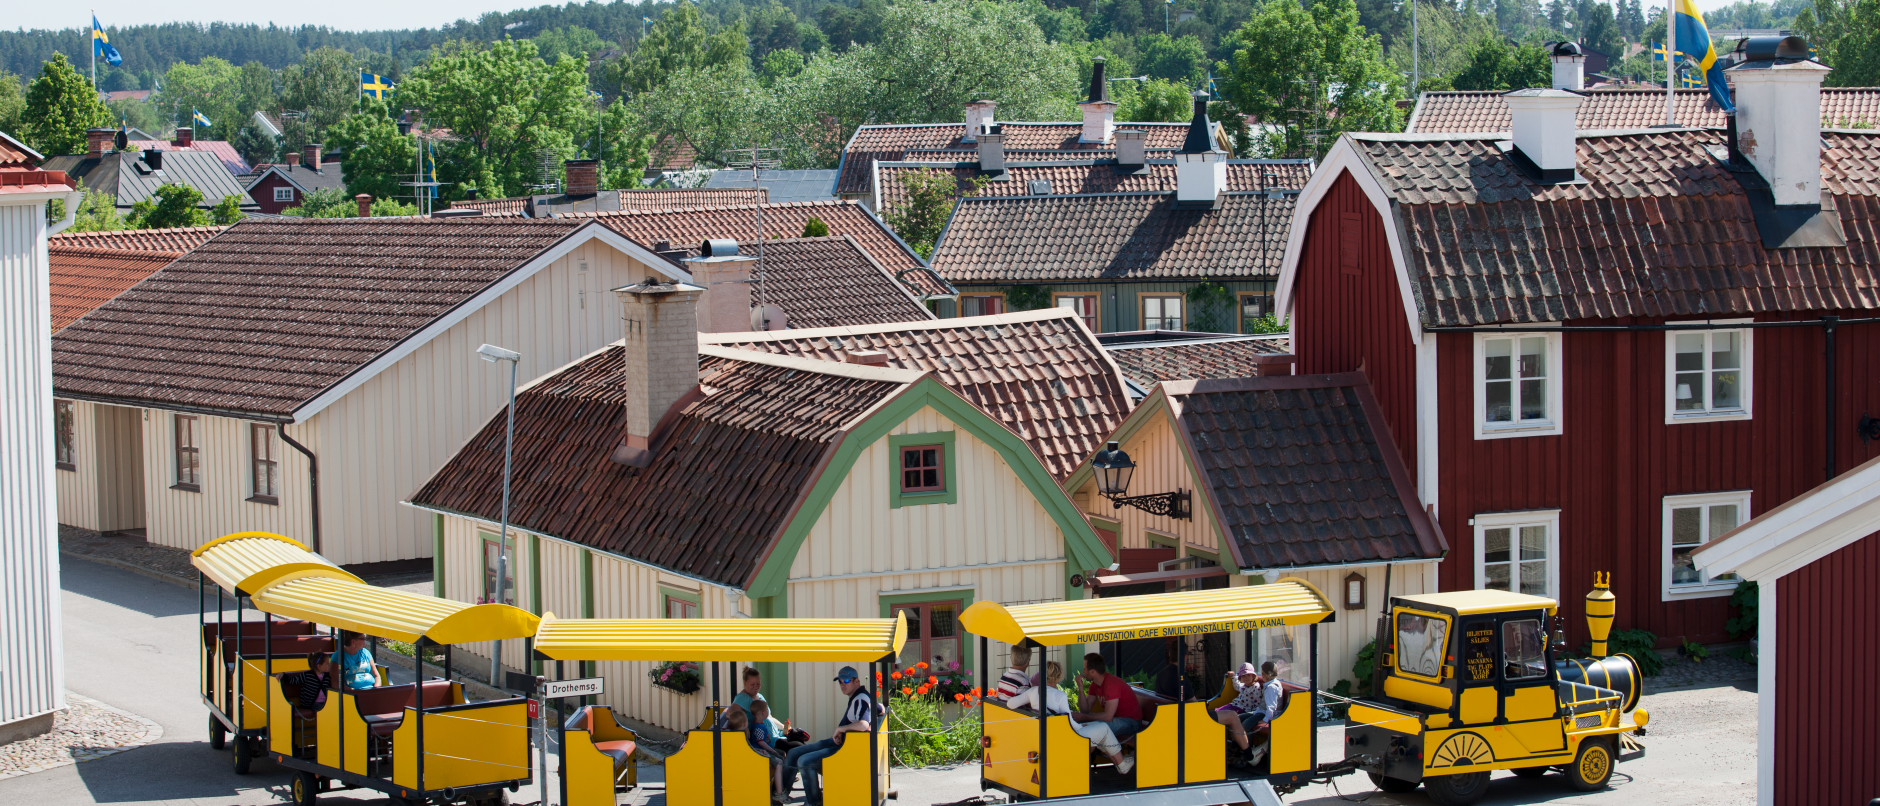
column 1254, row 572
column 313, row 480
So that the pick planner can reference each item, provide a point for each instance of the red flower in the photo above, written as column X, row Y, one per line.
column 932, row 681
column 923, row 689
column 921, row 665
column 907, row 691
column 897, row 675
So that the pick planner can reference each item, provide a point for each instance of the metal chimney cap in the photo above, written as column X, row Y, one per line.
column 718, row 250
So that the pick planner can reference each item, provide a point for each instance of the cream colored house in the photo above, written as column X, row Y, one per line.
column 302, row 376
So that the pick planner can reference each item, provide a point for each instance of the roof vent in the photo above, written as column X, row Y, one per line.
column 153, row 157
column 992, row 149
column 717, row 247
column 871, row 358
column 1544, row 137
column 1038, row 187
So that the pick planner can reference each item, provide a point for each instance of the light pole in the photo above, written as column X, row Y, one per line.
column 493, row 353
column 1165, row 7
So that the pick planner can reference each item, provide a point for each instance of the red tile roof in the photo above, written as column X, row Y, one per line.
column 85, row 277
column 172, row 239
column 833, row 282
column 15, row 154
column 512, row 204
column 236, row 163
column 1441, row 112
column 894, row 142
column 266, row 316
column 1151, row 362
column 1040, row 373
column 663, row 199
column 1084, row 177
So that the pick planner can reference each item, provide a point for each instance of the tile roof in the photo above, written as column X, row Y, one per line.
column 331, row 176
column 125, row 176
column 513, row 204
column 893, row 142
column 85, row 277
column 687, row 227
column 170, row 239
column 1462, row 112
column 222, row 149
column 833, row 282
column 1303, row 471
column 643, row 200
column 662, row 199
column 1150, row 363
column 1040, row 373
column 1083, row 177
column 1660, row 228
column 272, row 312
column 15, row 154
column 1117, row 236
column 725, row 478
column 781, row 186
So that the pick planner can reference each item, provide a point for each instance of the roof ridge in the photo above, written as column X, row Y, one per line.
column 1015, row 317
column 1223, row 339
column 111, row 251
column 861, row 372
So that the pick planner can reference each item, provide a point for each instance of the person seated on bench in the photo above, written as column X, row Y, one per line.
column 1099, row 733
column 1109, row 699
column 313, row 684
column 1018, row 678
column 1245, row 709
column 859, row 716
column 757, row 735
column 355, row 662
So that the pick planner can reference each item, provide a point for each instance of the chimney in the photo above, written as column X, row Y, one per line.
column 312, row 158
column 153, row 157
column 583, row 177
column 992, row 149
column 1099, row 111
column 365, row 204
column 1130, row 148
column 1569, row 66
column 1778, row 116
column 293, row 159
column 96, row 140
column 1544, row 140
column 979, row 115
column 660, row 333
column 868, row 358
column 726, row 276
column 184, row 136
column 1201, row 166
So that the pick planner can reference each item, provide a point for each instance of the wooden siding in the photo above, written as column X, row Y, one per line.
column 78, row 488
column 463, row 545
column 1119, row 306
column 1161, row 466
column 183, row 519
column 1826, row 706
column 104, row 492
column 1340, row 641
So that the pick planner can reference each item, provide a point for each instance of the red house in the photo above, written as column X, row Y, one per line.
column 1600, row 350
column 278, row 187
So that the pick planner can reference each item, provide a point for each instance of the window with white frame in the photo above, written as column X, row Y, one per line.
column 1518, row 552
column 1707, row 375
column 283, row 194
column 1690, row 522
column 1517, row 384
column 1161, row 312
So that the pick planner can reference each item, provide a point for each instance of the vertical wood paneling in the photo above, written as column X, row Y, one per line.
column 77, row 489
column 1161, row 465
column 185, row 520
column 1826, row 705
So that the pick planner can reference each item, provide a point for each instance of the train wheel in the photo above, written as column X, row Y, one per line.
column 1460, row 789
column 306, row 789
column 1396, row 786
column 1592, row 767
column 218, row 735
column 1530, row 772
column 242, row 757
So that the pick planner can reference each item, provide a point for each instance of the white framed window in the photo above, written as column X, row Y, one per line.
column 1707, row 375
column 1690, row 522
column 1517, row 385
column 1518, row 552
column 284, row 194
column 1161, row 312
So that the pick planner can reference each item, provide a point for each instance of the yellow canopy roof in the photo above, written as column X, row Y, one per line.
column 353, row 605
column 246, row 562
column 1480, row 601
column 861, row 640
column 1290, row 601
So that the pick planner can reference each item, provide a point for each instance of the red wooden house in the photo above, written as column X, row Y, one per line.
column 1602, row 349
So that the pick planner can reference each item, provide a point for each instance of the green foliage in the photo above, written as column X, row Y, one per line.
column 60, row 106
column 508, row 108
column 1268, row 323
column 227, row 211
column 1695, row 651
column 335, row 203
column 1156, row 101
column 680, row 40
column 12, row 102
column 1846, row 35
column 627, row 150
column 1599, row 30
column 1181, row 59
column 1445, row 34
column 779, row 64
column 930, row 196
column 572, row 41
column 1641, row 645
column 1365, row 665
column 170, row 205
column 324, row 88
column 1495, row 65
column 1027, row 297
column 211, row 86
column 815, row 228
column 1210, row 307
column 917, row 737
column 256, row 145
column 1310, row 70
column 97, row 212
column 1746, row 601
column 713, row 110
column 1752, row 14
column 377, row 156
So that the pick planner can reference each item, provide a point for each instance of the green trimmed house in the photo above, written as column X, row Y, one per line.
column 798, row 473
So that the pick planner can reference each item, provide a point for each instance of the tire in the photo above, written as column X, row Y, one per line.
column 1459, row 789
column 306, row 789
column 218, row 735
column 1530, row 772
column 1592, row 766
column 243, row 757
column 1395, row 786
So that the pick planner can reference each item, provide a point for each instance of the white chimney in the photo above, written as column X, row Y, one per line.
column 726, row 276
column 660, row 332
column 1099, row 111
column 1778, row 125
column 1201, row 165
column 1569, row 66
column 979, row 115
column 992, row 149
column 1130, row 146
column 1544, row 130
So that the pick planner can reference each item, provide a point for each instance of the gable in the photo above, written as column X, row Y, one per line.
column 1343, row 167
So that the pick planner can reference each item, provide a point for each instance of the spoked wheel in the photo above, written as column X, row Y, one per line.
column 306, row 789
column 1395, row 786
column 1460, row 789
column 1592, row 767
column 1530, row 772
column 242, row 755
column 218, row 735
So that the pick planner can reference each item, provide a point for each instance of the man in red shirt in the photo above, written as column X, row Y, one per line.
column 1109, row 699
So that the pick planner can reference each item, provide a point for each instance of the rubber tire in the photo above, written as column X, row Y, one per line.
column 1530, row 772
column 1596, row 754
column 305, row 789
column 1395, row 786
column 243, row 758
column 218, row 735
column 1460, row 789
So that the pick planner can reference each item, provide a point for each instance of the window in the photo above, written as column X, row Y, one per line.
column 679, row 604
column 266, row 462
column 64, row 444
column 981, row 304
column 921, row 470
column 933, row 634
column 1161, row 313
column 1420, row 644
column 492, row 560
column 1253, row 308
column 1517, row 385
column 1084, row 304
column 1707, row 375
column 1690, row 522
column 1516, row 551
column 283, row 194
column 1523, row 650
column 188, row 454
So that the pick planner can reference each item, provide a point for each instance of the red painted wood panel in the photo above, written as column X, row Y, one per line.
column 263, row 194
column 1826, row 705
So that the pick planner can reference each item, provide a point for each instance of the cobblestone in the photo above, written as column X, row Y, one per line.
column 128, row 551
column 85, row 730
column 1717, row 669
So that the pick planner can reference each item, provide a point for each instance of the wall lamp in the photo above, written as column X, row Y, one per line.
column 1114, row 468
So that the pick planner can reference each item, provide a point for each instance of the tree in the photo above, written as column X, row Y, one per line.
column 711, row 110
column 572, row 41
column 256, row 145
column 627, row 149
column 227, row 211
column 12, row 102
column 60, row 106
column 930, row 196
column 324, row 89
column 1846, row 34
column 211, row 86
column 678, row 41
column 97, row 212
column 170, row 205
column 1631, row 19
column 336, row 203
column 1156, row 102
column 1495, row 65
column 1600, row 31
column 1181, row 60
column 1444, row 35
column 1210, row 307
column 378, row 158
column 815, row 228
column 1311, row 69
column 508, row 108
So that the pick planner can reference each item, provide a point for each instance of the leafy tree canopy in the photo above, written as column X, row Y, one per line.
column 1846, row 34
column 1495, row 65
column 679, row 40
column 1157, row 101
column 12, row 101
column 322, row 90
column 377, row 156
column 169, row 206
column 508, row 108
column 336, row 203
column 1312, row 72
column 60, row 105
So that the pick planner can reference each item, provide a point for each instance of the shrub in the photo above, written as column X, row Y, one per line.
column 680, row 676
column 917, row 736
column 1746, row 601
column 1641, row 645
column 1027, row 297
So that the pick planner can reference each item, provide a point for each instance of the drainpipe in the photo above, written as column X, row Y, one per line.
column 1828, row 324
column 313, row 481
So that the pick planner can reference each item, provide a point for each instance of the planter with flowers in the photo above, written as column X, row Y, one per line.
column 680, row 676
column 931, row 717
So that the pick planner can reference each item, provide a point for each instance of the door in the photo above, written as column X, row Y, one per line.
column 119, row 467
column 933, row 635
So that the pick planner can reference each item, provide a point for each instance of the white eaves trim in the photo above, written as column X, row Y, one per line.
column 1811, row 526
column 1343, row 158
column 592, row 231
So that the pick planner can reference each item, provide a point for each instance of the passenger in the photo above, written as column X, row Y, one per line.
column 313, row 684
column 355, row 663
column 1098, row 733
column 1235, row 714
column 752, row 694
column 1259, row 723
column 756, row 734
column 858, row 717
column 1016, row 679
column 1168, row 681
column 1109, row 699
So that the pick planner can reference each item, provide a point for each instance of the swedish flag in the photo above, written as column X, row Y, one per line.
column 1694, row 41
column 201, row 121
column 101, row 44
column 373, row 85
column 431, row 152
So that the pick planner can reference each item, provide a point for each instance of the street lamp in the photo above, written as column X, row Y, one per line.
column 1114, row 468
column 493, row 354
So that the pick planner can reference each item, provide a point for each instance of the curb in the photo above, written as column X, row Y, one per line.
column 152, row 732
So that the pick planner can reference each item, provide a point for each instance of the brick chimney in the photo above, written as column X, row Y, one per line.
column 1778, row 117
column 992, row 149
column 1569, row 66
column 96, row 140
column 1544, row 132
column 659, row 321
column 583, row 177
column 726, row 305
column 1099, row 111
column 293, row 159
column 365, row 204
column 979, row 115
column 184, row 136
column 312, row 158
column 1201, row 165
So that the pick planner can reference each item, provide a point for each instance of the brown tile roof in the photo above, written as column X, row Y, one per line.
column 1083, row 177
column 15, row 154
column 272, row 312
column 893, row 142
column 1460, row 112
column 1659, row 229
column 1115, row 236
column 1302, row 471
column 727, row 472
column 1040, row 373
column 687, row 227
column 650, row 200
column 513, row 204
column 173, row 239
column 85, row 277
column 1150, row 363
column 833, row 282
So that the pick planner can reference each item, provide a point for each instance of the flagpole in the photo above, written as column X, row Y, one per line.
column 94, row 50
column 1671, row 62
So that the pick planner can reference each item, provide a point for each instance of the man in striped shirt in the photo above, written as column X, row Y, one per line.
column 1016, row 679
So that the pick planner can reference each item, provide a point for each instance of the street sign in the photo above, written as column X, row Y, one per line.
column 573, row 688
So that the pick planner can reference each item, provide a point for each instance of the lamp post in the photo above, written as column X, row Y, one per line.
column 1114, row 468
column 493, row 354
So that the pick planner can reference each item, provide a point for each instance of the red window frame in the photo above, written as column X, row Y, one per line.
column 921, row 644
column 927, row 478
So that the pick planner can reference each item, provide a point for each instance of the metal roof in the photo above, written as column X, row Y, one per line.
column 395, row 614
column 1288, row 602
column 1480, row 601
column 246, row 562
column 126, row 177
column 746, row 640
